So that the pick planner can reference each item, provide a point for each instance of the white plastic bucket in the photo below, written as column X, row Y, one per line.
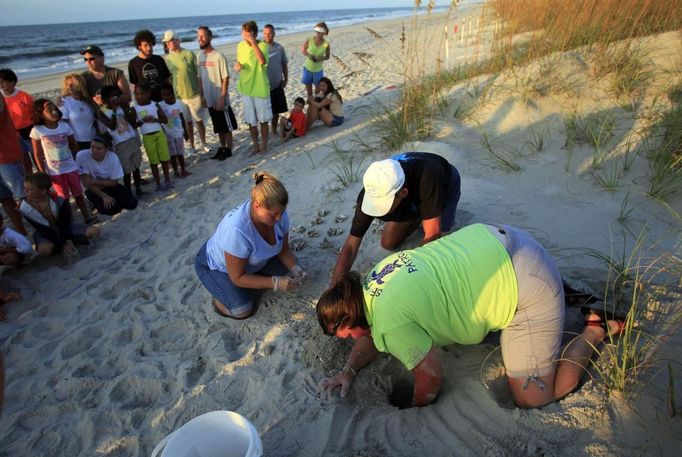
column 214, row 434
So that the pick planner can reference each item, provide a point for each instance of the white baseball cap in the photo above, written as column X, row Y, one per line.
column 169, row 35
column 382, row 180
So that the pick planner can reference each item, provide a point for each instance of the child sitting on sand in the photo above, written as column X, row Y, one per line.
column 14, row 247
column 53, row 145
column 150, row 117
column 51, row 218
column 176, row 129
column 20, row 106
column 295, row 125
column 126, row 144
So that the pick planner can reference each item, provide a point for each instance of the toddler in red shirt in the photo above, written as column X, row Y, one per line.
column 294, row 126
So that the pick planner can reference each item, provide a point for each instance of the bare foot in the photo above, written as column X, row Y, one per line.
column 254, row 150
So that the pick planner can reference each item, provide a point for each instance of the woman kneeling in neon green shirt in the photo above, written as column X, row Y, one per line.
column 457, row 289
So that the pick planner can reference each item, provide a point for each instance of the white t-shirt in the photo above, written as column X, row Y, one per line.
column 237, row 236
column 80, row 117
column 144, row 111
column 212, row 71
column 109, row 168
column 123, row 131
column 173, row 127
column 55, row 144
column 12, row 239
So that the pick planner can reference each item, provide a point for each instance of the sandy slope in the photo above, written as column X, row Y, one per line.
column 106, row 356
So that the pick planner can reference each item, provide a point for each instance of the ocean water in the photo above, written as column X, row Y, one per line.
column 35, row 50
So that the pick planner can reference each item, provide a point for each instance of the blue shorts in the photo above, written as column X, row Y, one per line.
column 238, row 300
column 311, row 78
column 12, row 180
column 336, row 121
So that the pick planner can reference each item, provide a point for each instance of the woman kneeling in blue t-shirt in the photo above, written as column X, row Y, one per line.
column 457, row 289
column 249, row 249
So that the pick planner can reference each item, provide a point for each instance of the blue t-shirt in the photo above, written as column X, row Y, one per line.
column 237, row 236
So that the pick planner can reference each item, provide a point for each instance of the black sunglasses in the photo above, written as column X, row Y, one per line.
column 336, row 327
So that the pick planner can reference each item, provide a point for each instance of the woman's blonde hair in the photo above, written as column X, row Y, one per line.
column 268, row 191
column 82, row 87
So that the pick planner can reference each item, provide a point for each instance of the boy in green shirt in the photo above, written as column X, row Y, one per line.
column 252, row 66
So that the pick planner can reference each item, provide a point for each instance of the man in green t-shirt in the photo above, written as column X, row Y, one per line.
column 253, row 85
column 182, row 64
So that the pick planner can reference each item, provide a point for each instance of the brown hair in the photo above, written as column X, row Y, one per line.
column 344, row 299
column 250, row 27
column 40, row 180
column 268, row 191
column 324, row 26
column 38, row 108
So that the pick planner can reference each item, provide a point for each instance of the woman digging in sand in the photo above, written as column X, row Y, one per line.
column 250, row 250
column 457, row 289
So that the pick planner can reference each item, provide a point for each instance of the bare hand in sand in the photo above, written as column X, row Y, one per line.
column 108, row 201
column 9, row 296
column 343, row 380
column 70, row 251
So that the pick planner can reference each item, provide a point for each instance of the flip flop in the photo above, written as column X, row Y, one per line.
column 604, row 317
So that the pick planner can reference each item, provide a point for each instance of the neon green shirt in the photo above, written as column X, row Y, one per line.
column 317, row 51
column 253, row 77
column 183, row 67
column 442, row 293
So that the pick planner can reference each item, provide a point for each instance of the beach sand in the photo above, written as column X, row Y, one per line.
column 108, row 355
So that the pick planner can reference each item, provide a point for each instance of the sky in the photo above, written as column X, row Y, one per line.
column 24, row 12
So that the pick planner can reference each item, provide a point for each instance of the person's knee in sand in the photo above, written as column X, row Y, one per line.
column 249, row 251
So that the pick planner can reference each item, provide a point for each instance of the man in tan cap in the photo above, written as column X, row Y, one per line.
column 408, row 190
column 182, row 64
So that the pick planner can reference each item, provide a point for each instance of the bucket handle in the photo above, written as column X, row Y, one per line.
column 159, row 447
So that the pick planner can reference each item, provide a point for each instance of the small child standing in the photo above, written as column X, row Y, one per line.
column 53, row 145
column 295, row 125
column 150, row 117
column 14, row 247
column 176, row 129
column 20, row 107
column 126, row 144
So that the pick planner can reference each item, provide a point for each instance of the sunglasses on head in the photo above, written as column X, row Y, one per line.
column 336, row 327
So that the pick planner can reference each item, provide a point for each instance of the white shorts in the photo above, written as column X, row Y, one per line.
column 196, row 111
column 257, row 110
column 176, row 146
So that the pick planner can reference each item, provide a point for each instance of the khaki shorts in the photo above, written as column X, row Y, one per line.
column 531, row 342
column 129, row 154
column 197, row 112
